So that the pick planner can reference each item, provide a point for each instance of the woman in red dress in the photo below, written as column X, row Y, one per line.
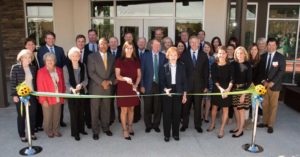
column 128, row 74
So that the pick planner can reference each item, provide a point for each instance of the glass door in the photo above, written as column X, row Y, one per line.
column 123, row 26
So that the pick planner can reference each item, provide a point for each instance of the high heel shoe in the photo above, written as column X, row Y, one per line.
column 126, row 135
column 236, row 136
column 233, row 131
column 221, row 135
column 131, row 132
column 210, row 129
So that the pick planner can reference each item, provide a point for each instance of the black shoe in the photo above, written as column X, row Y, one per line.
column 199, row 130
column 182, row 129
column 127, row 138
column 233, row 131
column 108, row 133
column 84, row 133
column 167, row 139
column 270, row 130
column 111, row 122
column 40, row 129
column 262, row 125
column 96, row 137
column 156, row 129
column 24, row 139
column 148, row 130
column 77, row 138
column 206, row 121
column 236, row 136
column 176, row 138
column 33, row 137
column 63, row 124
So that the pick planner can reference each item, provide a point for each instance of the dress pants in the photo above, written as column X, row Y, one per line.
column 76, row 108
column 100, row 112
column 62, row 113
column 22, row 117
column 51, row 118
column 270, row 105
column 171, row 114
column 39, row 116
column 112, row 106
column 196, row 101
column 87, row 112
column 152, row 107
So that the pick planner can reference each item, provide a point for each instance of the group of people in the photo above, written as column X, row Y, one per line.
column 103, row 67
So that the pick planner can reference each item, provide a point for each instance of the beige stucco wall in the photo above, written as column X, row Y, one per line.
column 72, row 17
column 215, row 15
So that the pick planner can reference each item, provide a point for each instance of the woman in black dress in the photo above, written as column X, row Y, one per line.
column 222, row 76
column 242, row 81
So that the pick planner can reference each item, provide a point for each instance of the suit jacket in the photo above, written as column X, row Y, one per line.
column 98, row 74
column 140, row 56
column 147, row 69
column 275, row 73
column 197, row 76
column 45, row 84
column 59, row 53
column 165, row 77
column 119, row 52
column 87, row 52
column 17, row 76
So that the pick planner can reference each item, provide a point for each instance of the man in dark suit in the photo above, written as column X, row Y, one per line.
column 115, row 51
column 60, row 60
column 184, row 37
column 80, row 44
column 196, row 65
column 141, row 44
column 201, row 37
column 271, row 71
column 151, row 63
column 92, row 46
column 101, row 69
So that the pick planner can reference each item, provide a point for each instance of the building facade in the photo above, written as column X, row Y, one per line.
column 67, row 18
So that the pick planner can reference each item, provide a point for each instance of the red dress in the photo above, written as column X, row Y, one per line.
column 128, row 68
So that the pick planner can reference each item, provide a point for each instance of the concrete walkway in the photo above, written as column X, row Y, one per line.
column 284, row 142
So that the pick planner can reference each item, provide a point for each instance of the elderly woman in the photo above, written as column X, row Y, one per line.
column 76, row 80
column 24, row 72
column 173, row 80
column 50, row 79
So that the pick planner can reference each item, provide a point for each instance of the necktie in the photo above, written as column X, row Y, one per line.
column 93, row 48
column 194, row 58
column 81, row 56
column 105, row 61
column 114, row 53
column 201, row 47
column 51, row 49
column 155, row 69
column 268, row 64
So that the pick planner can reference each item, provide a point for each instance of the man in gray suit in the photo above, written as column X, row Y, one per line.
column 101, row 69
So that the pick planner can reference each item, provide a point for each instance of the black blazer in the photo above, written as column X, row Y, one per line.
column 17, row 76
column 276, row 73
column 59, row 53
column 165, row 77
column 119, row 52
column 197, row 76
column 87, row 52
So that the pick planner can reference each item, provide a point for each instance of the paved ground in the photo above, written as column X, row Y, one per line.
column 284, row 142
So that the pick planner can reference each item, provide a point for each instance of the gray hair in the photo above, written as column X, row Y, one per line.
column 72, row 51
column 49, row 55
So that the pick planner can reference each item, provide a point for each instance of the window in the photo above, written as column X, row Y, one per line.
column 189, row 17
column 284, row 25
column 39, row 19
column 102, row 13
column 250, row 33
